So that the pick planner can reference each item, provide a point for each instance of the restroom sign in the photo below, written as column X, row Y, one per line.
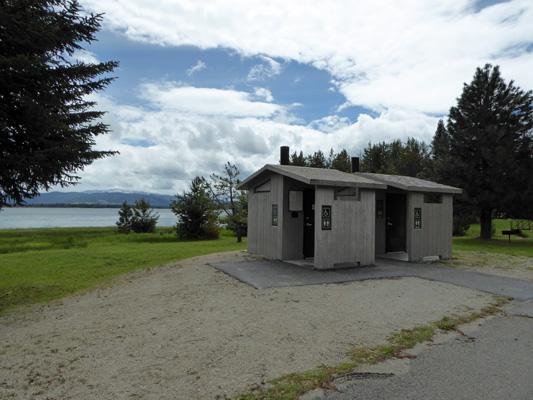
column 274, row 215
column 326, row 218
column 418, row 218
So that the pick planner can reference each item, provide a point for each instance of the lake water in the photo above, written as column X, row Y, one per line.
column 43, row 217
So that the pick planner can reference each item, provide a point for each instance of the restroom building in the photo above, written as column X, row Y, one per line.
column 334, row 219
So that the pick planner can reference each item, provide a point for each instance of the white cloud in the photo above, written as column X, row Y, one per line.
column 331, row 123
column 262, row 93
column 84, row 56
column 200, row 65
column 406, row 61
column 385, row 54
column 266, row 70
column 207, row 101
column 181, row 145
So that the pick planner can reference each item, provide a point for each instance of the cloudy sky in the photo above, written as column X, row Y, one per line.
column 204, row 82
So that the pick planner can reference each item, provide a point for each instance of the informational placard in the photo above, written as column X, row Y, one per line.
column 326, row 218
column 274, row 215
column 296, row 200
column 418, row 218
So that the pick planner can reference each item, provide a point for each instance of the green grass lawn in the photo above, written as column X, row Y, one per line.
column 39, row 265
column 499, row 244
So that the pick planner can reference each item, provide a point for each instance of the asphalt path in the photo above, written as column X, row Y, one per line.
column 493, row 361
column 263, row 274
column 489, row 360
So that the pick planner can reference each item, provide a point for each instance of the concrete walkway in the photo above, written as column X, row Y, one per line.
column 263, row 274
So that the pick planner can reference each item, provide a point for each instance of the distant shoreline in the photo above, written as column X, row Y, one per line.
column 64, row 205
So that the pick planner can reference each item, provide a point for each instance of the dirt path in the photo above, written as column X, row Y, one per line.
column 188, row 331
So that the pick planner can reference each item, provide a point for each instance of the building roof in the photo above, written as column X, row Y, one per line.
column 314, row 176
column 409, row 183
column 332, row 177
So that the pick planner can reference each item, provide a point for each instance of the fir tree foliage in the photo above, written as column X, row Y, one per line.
column 340, row 161
column 124, row 221
column 298, row 160
column 196, row 212
column 317, row 160
column 144, row 219
column 47, row 124
column 140, row 218
column 411, row 158
column 487, row 147
column 230, row 201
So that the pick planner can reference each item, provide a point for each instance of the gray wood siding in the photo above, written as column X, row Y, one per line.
column 435, row 237
column 352, row 237
column 263, row 238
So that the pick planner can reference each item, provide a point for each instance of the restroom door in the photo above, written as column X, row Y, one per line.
column 396, row 210
column 309, row 223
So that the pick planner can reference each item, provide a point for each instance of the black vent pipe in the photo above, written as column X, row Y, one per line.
column 284, row 155
column 355, row 164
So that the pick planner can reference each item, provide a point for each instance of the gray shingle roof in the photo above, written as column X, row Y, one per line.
column 314, row 176
column 332, row 177
column 410, row 184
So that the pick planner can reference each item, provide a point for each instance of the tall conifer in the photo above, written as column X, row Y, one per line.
column 47, row 124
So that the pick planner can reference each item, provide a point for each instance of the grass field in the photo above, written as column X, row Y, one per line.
column 39, row 265
column 499, row 244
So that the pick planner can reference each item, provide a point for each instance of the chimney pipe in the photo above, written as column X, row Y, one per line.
column 355, row 164
column 284, row 155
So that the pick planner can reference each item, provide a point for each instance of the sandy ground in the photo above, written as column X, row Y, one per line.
column 188, row 331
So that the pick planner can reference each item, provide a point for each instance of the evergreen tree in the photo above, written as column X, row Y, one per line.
column 414, row 159
column 463, row 212
column 124, row 221
column 298, row 160
column 374, row 158
column 47, row 124
column 232, row 202
column 144, row 217
column 317, row 160
column 397, row 158
column 487, row 148
column 340, row 161
column 196, row 212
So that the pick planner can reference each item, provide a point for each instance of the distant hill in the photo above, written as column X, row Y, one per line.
column 98, row 199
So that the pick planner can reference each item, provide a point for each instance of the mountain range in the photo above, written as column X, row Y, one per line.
column 99, row 198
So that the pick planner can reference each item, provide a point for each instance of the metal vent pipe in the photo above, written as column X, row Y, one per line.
column 284, row 155
column 355, row 164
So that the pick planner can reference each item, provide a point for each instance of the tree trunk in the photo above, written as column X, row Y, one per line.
column 486, row 223
column 238, row 233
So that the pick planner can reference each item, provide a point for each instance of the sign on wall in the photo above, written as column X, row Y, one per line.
column 274, row 215
column 418, row 218
column 296, row 200
column 326, row 218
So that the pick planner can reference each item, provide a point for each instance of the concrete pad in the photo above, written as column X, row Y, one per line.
column 263, row 274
